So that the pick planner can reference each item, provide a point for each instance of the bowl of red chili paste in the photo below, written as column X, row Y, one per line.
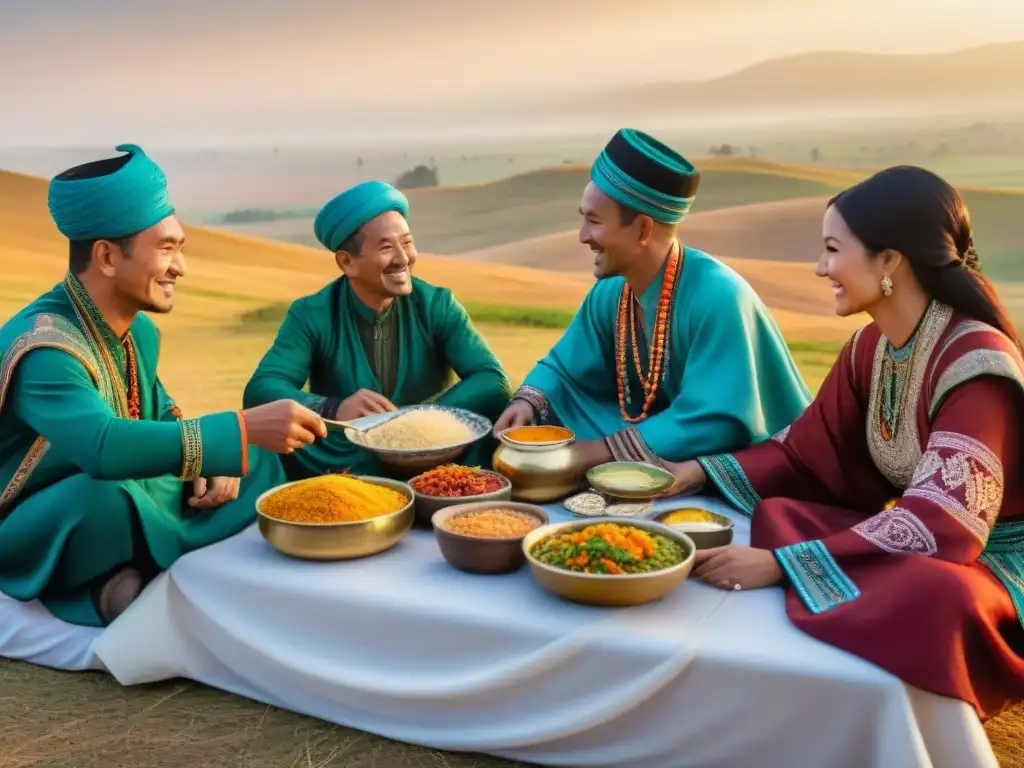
column 455, row 484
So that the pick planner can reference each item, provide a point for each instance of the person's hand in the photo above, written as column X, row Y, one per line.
column 518, row 414
column 282, row 426
column 362, row 403
column 689, row 478
column 737, row 567
column 212, row 492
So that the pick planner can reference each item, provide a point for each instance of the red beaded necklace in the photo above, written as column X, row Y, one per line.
column 626, row 326
column 134, row 400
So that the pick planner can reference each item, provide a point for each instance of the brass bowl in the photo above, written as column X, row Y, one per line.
column 416, row 461
column 606, row 589
column 427, row 505
column 539, row 472
column 691, row 519
column 601, row 478
column 478, row 554
column 338, row 541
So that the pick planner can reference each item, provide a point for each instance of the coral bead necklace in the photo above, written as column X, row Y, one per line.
column 625, row 332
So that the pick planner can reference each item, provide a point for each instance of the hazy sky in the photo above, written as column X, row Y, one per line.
column 198, row 71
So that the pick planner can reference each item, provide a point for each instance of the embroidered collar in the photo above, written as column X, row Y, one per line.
column 96, row 325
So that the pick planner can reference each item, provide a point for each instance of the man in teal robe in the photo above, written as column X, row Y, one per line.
column 727, row 380
column 102, row 482
column 376, row 338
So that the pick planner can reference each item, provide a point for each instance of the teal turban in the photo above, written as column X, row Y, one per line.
column 110, row 198
column 343, row 215
column 646, row 176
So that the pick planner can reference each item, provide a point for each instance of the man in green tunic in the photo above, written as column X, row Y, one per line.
column 671, row 353
column 376, row 338
column 102, row 482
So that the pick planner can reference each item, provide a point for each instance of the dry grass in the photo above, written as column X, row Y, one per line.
column 87, row 720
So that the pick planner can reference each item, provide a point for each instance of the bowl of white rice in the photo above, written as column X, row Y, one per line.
column 421, row 437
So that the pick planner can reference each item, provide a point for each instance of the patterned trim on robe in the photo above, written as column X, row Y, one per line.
column 853, row 347
column 537, row 399
column 35, row 454
column 964, row 328
column 727, row 474
column 191, row 449
column 897, row 458
column 816, row 576
column 963, row 477
column 53, row 332
column 977, row 362
column 628, row 445
column 898, row 531
column 110, row 352
column 1004, row 557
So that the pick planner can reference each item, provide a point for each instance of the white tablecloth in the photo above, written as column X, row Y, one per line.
column 406, row 647
column 29, row 632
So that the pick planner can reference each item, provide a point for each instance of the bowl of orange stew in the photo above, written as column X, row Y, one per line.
column 486, row 536
column 456, row 484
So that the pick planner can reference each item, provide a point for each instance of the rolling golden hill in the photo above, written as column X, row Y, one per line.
column 454, row 219
column 745, row 208
column 784, row 229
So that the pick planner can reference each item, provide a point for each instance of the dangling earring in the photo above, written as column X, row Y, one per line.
column 886, row 286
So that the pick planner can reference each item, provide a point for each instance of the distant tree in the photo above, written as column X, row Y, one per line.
column 359, row 162
column 815, row 155
column 725, row 150
column 419, row 177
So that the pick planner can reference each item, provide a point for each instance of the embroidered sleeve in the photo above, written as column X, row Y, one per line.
column 726, row 473
column 54, row 394
column 191, row 449
column 628, row 445
column 951, row 505
column 947, row 511
column 816, row 576
column 537, row 399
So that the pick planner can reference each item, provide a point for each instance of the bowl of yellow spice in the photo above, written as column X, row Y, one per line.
column 335, row 517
